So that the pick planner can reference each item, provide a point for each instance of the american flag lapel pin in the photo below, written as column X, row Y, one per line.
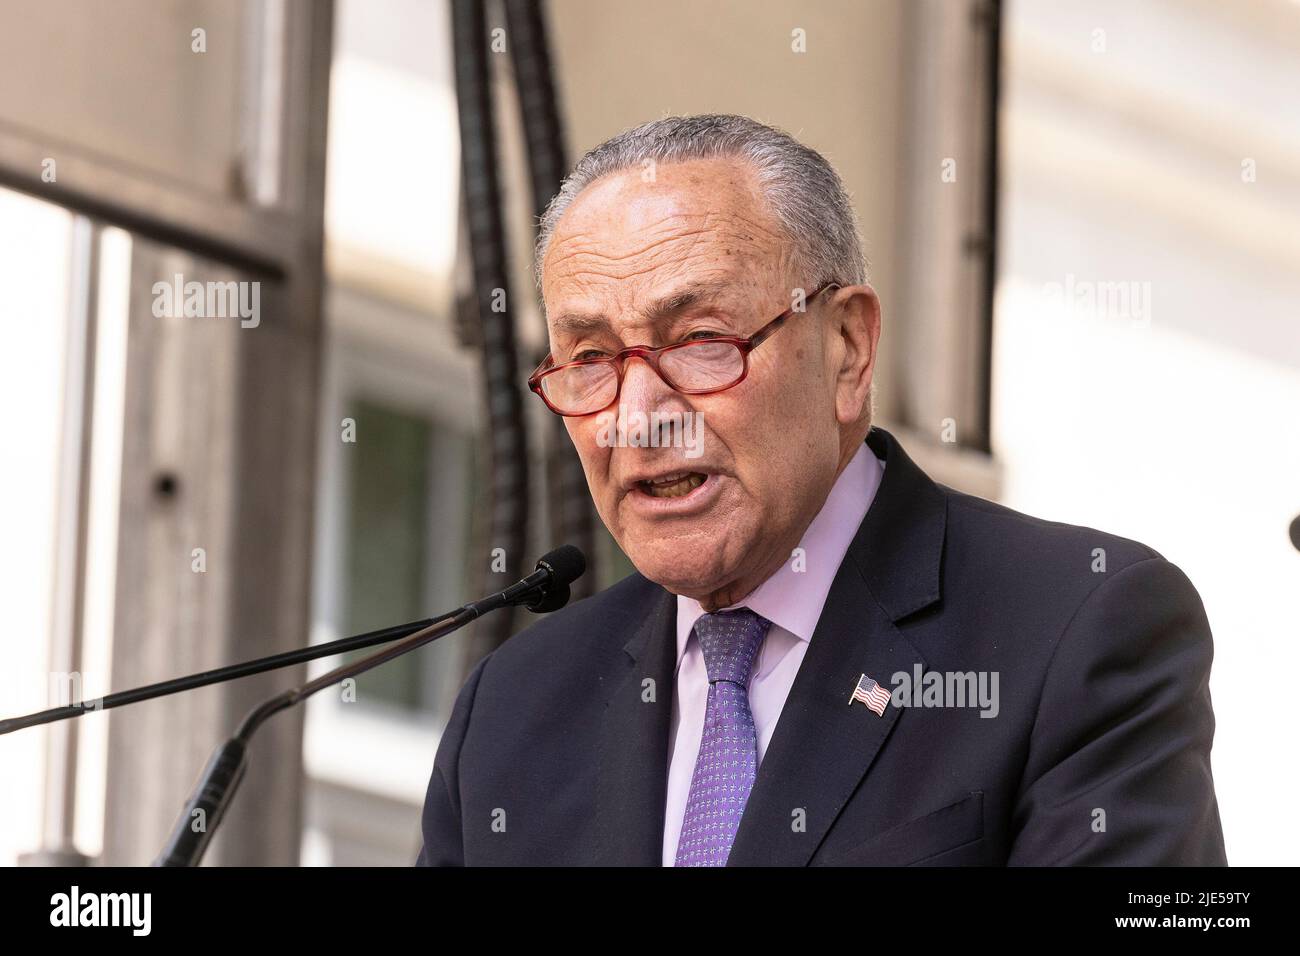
column 872, row 694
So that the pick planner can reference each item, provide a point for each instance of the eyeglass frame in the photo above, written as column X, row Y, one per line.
column 650, row 354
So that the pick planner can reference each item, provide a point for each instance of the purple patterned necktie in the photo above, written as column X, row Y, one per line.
column 728, row 759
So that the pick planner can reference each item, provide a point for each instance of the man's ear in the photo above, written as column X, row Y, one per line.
column 857, row 321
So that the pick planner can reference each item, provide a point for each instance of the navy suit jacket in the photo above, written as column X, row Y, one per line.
column 556, row 752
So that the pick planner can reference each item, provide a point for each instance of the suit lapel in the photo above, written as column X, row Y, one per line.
column 633, row 776
column 823, row 746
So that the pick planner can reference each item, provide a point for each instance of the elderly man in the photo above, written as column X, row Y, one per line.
column 823, row 657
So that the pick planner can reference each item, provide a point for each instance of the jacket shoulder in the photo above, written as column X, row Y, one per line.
column 1016, row 539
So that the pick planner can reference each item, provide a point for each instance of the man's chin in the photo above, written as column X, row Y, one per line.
column 693, row 574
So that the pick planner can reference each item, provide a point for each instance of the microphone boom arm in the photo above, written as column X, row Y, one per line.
column 540, row 591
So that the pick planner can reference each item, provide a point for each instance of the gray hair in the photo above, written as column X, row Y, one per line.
column 803, row 190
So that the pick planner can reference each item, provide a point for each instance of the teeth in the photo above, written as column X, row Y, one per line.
column 673, row 486
column 669, row 479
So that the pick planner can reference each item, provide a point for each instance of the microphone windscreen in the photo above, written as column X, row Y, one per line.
column 552, row 599
column 566, row 562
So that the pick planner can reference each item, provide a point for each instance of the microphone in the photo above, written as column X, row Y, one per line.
column 546, row 589
column 553, row 601
column 542, row 589
column 565, row 564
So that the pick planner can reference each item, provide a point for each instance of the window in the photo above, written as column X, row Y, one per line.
column 408, row 503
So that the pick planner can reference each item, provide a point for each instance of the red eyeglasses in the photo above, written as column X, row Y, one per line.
column 698, row 367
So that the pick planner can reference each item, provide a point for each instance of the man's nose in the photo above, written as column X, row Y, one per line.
column 643, row 389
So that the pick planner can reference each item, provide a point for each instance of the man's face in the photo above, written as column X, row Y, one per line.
column 769, row 448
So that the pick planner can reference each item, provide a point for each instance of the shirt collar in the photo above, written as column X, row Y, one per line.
column 793, row 599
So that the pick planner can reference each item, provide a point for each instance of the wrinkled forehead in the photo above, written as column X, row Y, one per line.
column 715, row 294
column 696, row 234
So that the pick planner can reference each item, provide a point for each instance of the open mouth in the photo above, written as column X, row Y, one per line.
column 672, row 486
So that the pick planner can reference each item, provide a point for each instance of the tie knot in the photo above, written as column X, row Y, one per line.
column 730, row 641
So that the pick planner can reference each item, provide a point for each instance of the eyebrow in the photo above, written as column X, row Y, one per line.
column 690, row 296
